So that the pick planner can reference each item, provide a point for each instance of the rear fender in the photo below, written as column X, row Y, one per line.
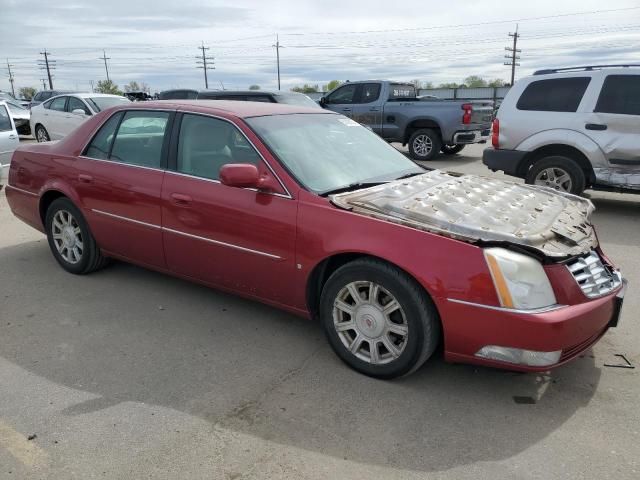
column 571, row 138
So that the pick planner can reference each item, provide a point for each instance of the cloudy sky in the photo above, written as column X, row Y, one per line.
column 156, row 42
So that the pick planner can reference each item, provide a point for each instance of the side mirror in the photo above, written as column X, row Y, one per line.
column 323, row 101
column 79, row 111
column 245, row 175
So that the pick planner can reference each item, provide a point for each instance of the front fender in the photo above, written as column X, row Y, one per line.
column 572, row 138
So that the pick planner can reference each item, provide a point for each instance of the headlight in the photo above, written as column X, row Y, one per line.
column 520, row 281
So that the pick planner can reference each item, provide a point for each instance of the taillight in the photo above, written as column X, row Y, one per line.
column 468, row 109
column 495, row 134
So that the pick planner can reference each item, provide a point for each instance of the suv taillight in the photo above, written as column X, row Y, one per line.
column 495, row 133
column 468, row 109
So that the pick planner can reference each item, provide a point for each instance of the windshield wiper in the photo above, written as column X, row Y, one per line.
column 409, row 175
column 351, row 186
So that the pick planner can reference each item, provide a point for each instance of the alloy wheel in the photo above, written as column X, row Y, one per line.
column 554, row 177
column 422, row 145
column 370, row 322
column 67, row 236
column 41, row 135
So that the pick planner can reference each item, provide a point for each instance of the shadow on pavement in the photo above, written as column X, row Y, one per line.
column 131, row 335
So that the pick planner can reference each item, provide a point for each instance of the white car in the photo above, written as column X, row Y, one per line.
column 8, row 139
column 59, row 116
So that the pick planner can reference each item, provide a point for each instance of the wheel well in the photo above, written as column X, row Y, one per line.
column 46, row 200
column 417, row 125
column 559, row 149
column 323, row 271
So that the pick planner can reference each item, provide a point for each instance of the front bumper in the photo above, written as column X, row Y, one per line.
column 570, row 329
column 509, row 161
column 471, row 136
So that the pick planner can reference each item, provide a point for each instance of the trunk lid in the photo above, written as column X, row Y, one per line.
column 481, row 209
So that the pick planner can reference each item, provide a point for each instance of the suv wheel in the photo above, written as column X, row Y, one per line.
column 557, row 172
column 377, row 319
column 424, row 144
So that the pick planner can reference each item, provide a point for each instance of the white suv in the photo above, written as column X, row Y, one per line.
column 571, row 129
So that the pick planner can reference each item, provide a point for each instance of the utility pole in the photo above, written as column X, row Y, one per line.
column 278, row 47
column 92, row 89
column 106, row 68
column 48, row 65
column 13, row 90
column 44, row 83
column 202, row 63
column 513, row 57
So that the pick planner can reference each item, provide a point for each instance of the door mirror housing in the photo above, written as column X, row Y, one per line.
column 246, row 175
column 78, row 111
column 323, row 101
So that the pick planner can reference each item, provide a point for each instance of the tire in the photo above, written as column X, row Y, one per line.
column 41, row 134
column 451, row 149
column 414, row 321
column 424, row 144
column 557, row 172
column 76, row 252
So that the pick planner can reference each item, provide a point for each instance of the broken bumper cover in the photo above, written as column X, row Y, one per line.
column 508, row 161
column 525, row 341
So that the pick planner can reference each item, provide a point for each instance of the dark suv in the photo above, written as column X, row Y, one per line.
column 291, row 98
column 45, row 95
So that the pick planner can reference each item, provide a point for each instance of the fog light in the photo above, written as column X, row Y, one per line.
column 519, row 356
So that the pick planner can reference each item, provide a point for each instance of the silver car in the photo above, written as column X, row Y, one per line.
column 8, row 140
column 571, row 129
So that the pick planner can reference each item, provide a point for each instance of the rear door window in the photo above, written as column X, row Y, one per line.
column 58, row 104
column 139, row 139
column 5, row 121
column 370, row 92
column 620, row 94
column 554, row 94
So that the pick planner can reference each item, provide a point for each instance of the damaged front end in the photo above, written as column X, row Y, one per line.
column 481, row 210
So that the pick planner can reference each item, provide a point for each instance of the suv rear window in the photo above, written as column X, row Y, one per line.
column 554, row 95
column 620, row 94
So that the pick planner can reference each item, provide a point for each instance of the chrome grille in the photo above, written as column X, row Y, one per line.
column 594, row 277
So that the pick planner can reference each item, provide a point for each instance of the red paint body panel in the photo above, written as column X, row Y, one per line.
column 266, row 246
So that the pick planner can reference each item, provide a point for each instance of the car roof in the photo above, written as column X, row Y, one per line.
column 94, row 95
column 249, row 92
column 230, row 107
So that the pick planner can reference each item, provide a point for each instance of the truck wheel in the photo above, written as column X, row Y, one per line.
column 451, row 148
column 557, row 172
column 424, row 144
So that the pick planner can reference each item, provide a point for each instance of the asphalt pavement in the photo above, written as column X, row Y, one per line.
column 130, row 374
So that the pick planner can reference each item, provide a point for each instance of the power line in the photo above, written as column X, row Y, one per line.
column 48, row 66
column 13, row 90
column 514, row 54
column 203, row 65
column 278, row 47
column 106, row 68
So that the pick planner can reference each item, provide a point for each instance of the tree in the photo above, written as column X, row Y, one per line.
column 132, row 87
column 27, row 92
column 416, row 83
column 474, row 81
column 254, row 87
column 449, row 85
column 497, row 82
column 107, row 86
column 331, row 85
column 427, row 85
column 306, row 88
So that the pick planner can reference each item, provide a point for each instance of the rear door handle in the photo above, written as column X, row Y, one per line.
column 346, row 109
column 181, row 199
column 84, row 178
column 595, row 126
column 374, row 109
column 13, row 137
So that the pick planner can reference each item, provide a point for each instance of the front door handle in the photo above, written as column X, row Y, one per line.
column 180, row 199
column 374, row 109
column 13, row 137
column 595, row 126
column 84, row 178
column 346, row 109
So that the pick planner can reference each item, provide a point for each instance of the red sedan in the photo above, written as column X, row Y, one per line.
column 308, row 211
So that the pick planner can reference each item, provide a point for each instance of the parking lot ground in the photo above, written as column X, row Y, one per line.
column 128, row 374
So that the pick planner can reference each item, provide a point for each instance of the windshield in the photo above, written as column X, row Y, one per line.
column 329, row 152
column 101, row 103
column 299, row 100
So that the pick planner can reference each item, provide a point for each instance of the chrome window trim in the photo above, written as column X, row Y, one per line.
column 126, row 219
column 224, row 244
column 185, row 112
column 112, row 162
column 550, row 308
column 189, row 235
column 22, row 190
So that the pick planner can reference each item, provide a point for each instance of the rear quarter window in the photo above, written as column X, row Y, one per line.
column 620, row 94
column 554, row 94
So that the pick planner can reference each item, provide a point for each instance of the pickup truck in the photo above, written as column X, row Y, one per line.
column 428, row 126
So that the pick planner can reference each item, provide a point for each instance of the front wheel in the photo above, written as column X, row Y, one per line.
column 424, row 144
column 70, row 239
column 378, row 320
column 41, row 134
column 451, row 148
column 557, row 172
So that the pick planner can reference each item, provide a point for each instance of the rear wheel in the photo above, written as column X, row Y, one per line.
column 557, row 172
column 41, row 134
column 424, row 144
column 378, row 320
column 451, row 148
column 70, row 239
